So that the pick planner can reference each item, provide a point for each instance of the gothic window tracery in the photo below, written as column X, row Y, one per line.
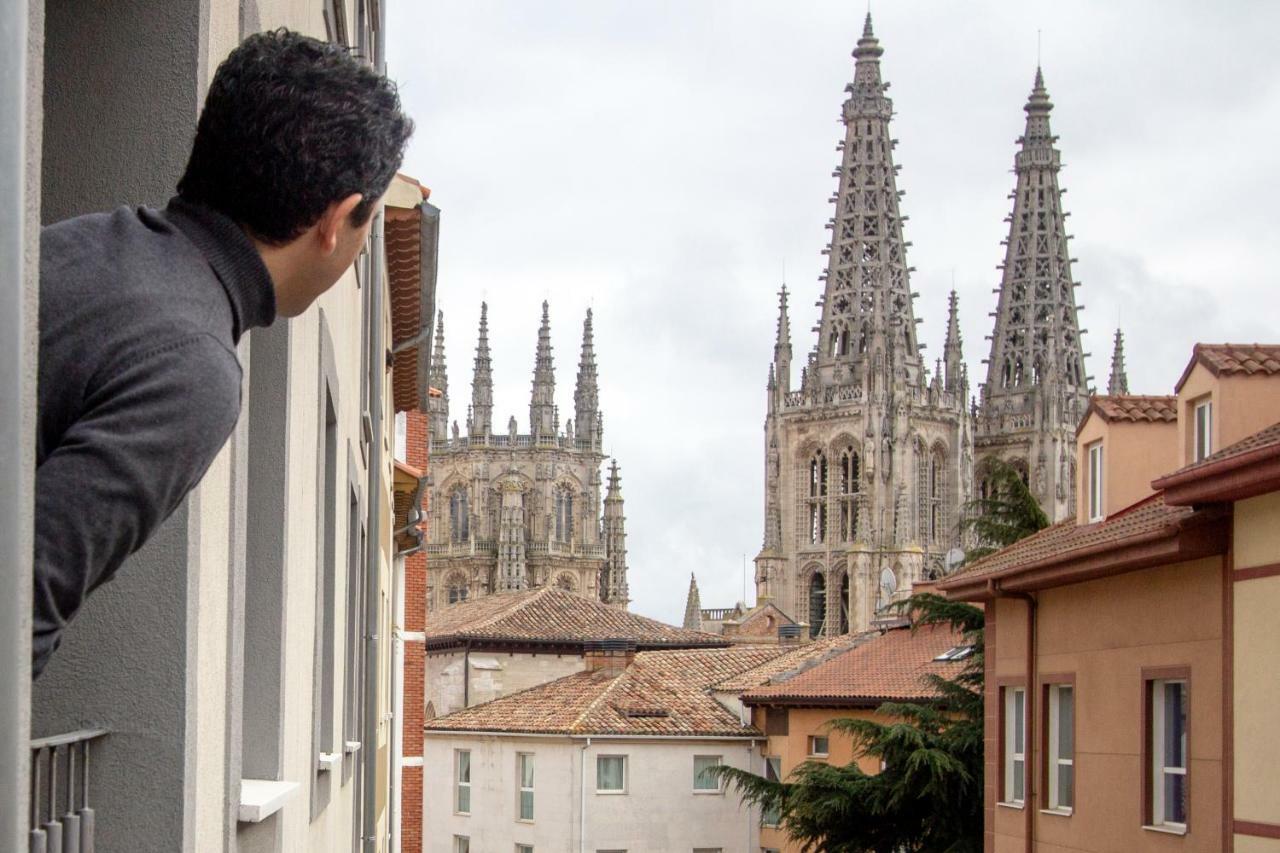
column 566, row 582
column 817, row 498
column 937, row 489
column 459, row 516
column 844, row 604
column 850, row 485
column 564, row 514
column 817, row 604
column 456, row 587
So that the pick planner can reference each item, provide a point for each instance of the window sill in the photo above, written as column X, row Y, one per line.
column 1017, row 806
column 819, row 755
column 1167, row 830
column 261, row 798
column 610, row 793
column 462, row 814
column 716, row 793
column 327, row 761
column 351, row 746
column 1058, row 812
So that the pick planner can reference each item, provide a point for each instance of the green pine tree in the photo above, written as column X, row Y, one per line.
column 1008, row 512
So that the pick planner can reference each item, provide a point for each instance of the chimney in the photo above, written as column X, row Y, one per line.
column 609, row 657
column 789, row 635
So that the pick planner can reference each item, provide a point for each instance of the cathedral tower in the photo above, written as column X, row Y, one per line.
column 1036, row 389
column 614, row 582
column 480, row 418
column 438, row 378
column 864, row 463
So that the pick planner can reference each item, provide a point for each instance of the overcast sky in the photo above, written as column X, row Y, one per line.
column 667, row 163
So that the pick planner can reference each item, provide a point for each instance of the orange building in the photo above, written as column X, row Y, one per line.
column 795, row 708
column 1130, row 686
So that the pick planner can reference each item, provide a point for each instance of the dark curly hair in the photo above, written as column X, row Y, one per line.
column 291, row 125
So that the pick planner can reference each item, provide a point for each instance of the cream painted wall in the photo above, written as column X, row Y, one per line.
column 1242, row 405
column 1133, row 454
column 658, row 813
column 1256, row 535
column 493, row 675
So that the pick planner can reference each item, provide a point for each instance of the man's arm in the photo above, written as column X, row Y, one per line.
column 146, row 437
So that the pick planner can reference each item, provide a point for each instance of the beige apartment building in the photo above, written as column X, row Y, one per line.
column 1130, row 685
column 231, row 688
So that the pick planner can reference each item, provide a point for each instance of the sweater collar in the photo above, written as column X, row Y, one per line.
column 234, row 259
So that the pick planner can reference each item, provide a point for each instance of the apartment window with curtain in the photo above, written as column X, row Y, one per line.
column 462, row 781
column 1166, row 750
column 1095, row 481
column 772, row 816
column 524, row 775
column 1203, row 422
column 1014, row 745
column 1060, row 751
column 704, row 779
column 611, row 774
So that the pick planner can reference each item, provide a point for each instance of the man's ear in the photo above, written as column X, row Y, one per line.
column 330, row 224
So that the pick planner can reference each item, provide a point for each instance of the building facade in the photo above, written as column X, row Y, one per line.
column 870, row 459
column 523, row 510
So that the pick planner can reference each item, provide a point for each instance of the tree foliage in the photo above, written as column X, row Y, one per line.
column 1007, row 513
column 927, row 797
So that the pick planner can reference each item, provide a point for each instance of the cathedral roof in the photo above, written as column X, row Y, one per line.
column 660, row 693
column 1133, row 408
column 1234, row 359
column 875, row 668
column 548, row 615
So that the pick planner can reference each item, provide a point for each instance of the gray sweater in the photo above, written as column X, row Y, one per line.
column 139, row 385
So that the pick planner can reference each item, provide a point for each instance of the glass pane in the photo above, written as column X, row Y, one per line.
column 1066, row 786
column 1018, row 773
column 1175, row 798
column 609, row 773
column 526, row 771
column 1018, row 699
column 1066, row 718
column 464, row 766
column 526, row 805
column 702, row 779
column 1175, row 724
column 464, row 798
column 773, row 769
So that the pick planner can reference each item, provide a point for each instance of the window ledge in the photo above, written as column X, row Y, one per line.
column 1018, row 806
column 715, row 793
column 1058, row 812
column 610, row 793
column 327, row 761
column 1167, row 830
column 261, row 798
column 351, row 746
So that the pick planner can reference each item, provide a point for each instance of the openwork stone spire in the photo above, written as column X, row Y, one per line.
column 542, row 405
column 586, row 395
column 1037, row 336
column 480, row 424
column 867, row 303
column 438, row 378
column 781, row 369
column 953, row 349
column 1119, row 381
column 613, row 585
column 693, row 607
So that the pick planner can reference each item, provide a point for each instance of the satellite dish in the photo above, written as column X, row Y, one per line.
column 953, row 559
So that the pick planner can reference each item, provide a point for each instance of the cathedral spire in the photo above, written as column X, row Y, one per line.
column 866, row 305
column 953, row 349
column 613, row 583
column 1119, row 381
column 438, row 378
column 692, row 606
column 480, row 424
column 586, row 396
column 782, row 345
column 542, row 404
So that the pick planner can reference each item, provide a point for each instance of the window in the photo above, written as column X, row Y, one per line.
column 564, row 514
column 456, row 588
column 817, row 604
column 703, row 779
column 462, row 781
column 1015, row 746
column 771, row 815
column 1061, row 752
column 819, row 745
column 1095, row 481
column 462, row 844
column 611, row 774
column 937, row 486
column 1203, row 430
column 402, row 436
column 1167, row 747
column 708, row 850
column 524, row 848
column 817, row 499
column 459, row 516
column 850, row 472
column 524, row 775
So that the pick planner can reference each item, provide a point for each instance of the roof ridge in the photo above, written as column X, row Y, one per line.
column 595, row 703
column 517, row 601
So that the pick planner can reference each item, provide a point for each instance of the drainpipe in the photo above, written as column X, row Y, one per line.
column 397, row 699
column 17, row 397
column 1031, row 775
column 582, row 796
column 377, row 381
column 466, row 675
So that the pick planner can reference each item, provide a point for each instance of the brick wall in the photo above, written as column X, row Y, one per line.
column 415, row 617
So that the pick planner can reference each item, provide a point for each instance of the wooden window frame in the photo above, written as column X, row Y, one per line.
column 1047, row 684
column 1150, row 676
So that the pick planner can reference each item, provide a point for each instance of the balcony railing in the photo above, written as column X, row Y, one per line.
column 59, row 779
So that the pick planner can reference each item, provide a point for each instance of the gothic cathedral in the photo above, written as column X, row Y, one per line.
column 869, row 460
column 515, row 511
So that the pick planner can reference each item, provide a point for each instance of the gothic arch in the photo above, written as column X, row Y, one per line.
column 817, row 598
column 455, row 587
column 567, row 582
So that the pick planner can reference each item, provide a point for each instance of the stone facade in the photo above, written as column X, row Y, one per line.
column 869, row 461
column 519, row 511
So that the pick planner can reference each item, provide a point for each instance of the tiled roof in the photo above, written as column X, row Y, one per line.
column 660, row 693
column 1135, row 409
column 793, row 659
column 1149, row 516
column 551, row 615
column 1267, row 438
column 888, row 666
column 411, row 268
column 1248, row 359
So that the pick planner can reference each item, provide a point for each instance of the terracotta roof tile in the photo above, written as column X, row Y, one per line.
column 410, row 318
column 1248, row 359
column 1268, row 437
column 1133, row 408
column 888, row 666
column 548, row 614
column 792, row 660
column 661, row 693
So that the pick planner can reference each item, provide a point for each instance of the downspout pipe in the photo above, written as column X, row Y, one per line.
column 377, row 380
column 1031, row 776
column 582, row 796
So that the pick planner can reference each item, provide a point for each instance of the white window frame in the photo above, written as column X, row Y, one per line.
column 462, row 844
column 1097, row 475
column 402, row 437
column 523, row 759
column 625, row 774
column 459, row 785
column 1015, row 723
column 1202, row 434
column 1057, row 757
column 524, row 848
column 772, row 772
column 1159, row 770
column 813, row 746
column 718, row 787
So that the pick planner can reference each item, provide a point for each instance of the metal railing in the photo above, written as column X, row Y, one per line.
column 52, row 830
